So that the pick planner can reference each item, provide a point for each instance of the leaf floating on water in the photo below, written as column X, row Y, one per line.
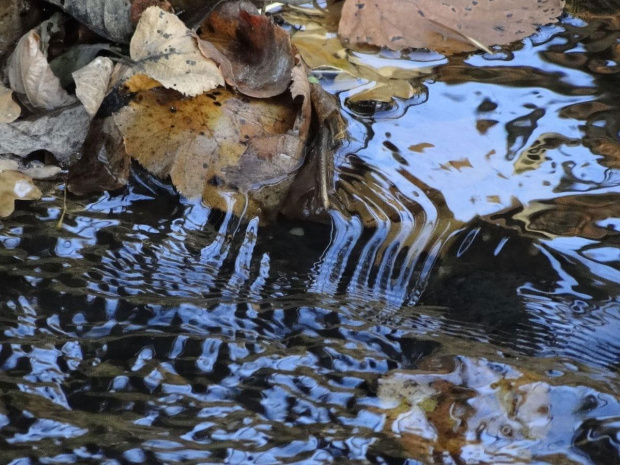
column 168, row 52
column 29, row 73
column 108, row 18
column 60, row 132
column 91, row 83
column 9, row 109
column 401, row 24
column 254, row 54
column 15, row 186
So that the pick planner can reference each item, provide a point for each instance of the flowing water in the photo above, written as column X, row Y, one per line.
column 464, row 308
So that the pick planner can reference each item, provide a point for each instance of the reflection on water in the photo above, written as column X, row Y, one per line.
column 462, row 306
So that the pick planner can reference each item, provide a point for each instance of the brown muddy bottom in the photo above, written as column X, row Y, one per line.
column 462, row 308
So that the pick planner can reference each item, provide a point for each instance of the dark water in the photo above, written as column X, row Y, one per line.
column 463, row 309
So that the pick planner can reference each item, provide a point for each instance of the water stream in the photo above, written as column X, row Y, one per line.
column 464, row 308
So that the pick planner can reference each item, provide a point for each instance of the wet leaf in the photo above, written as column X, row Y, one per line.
column 478, row 410
column 29, row 73
column 218, row 145
column 9, row 109
column 323, row 51
column 309, row 196
column 254, row 54
column 168, row 52
column 108, row 18
column 15, row 186
column 91, row 83
column 104, row 164
column 60, row 132
column 430, row 24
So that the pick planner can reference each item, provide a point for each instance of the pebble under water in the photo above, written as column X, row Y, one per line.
column 465, row 309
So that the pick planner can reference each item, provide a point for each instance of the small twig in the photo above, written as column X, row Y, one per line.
column 64, row 208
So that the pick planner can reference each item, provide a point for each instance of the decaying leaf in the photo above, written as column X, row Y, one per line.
column 108, row 18
column 91, row 83
column 9, row 110
column 401, row 24
column 60, row 132
column 104, row 164
column 220, row 144
column 30, row 74
column 168, row 52
column 15, row 186
column 254, row 54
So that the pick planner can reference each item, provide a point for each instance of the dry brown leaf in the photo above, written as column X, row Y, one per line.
column 91, row 83
column 108, row 18
column 15, row 186
column 401, row 24
column 14, row 22
column 254, row 54
column 30, row 74
column 9, row 110
column 168, row 52
column 219, row 144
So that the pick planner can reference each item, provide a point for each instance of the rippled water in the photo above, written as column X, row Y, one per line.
column 462, row 307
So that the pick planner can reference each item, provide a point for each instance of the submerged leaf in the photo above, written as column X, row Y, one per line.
column 254, row 54
column 60, row 132
column 29, row 73
column 431, row 24
column 108, row 18
column 168, row 52
column 15, row 186
column 91, row 83
column 9, row 110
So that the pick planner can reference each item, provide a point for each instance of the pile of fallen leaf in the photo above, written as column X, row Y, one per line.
column 228, row 113
column 209, row 93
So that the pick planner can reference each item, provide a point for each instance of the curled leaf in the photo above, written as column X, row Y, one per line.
column 15, row 186
column 91, row 83
column 29, row 73
column 168, row 52
column 254, row 54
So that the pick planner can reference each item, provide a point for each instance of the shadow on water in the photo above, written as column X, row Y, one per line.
column 461, row 307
